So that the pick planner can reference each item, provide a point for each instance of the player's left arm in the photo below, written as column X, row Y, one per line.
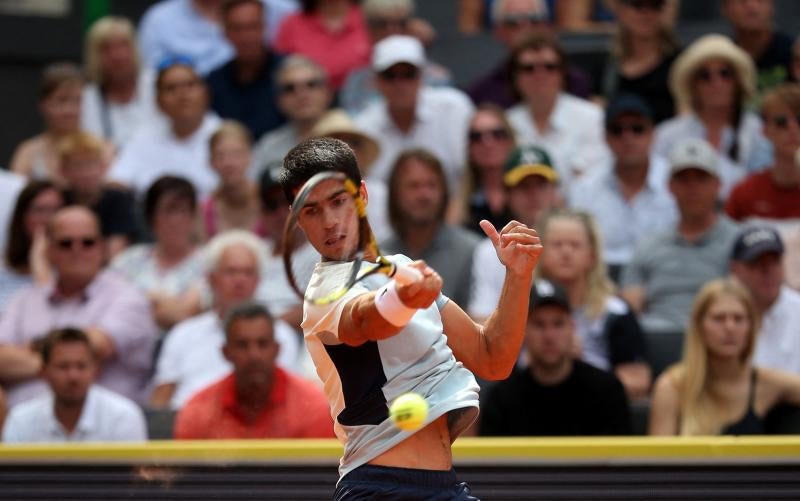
column 491, row 350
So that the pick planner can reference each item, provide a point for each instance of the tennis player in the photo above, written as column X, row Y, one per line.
column 382, row 339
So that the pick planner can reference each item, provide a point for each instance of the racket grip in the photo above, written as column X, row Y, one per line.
column 404, row 275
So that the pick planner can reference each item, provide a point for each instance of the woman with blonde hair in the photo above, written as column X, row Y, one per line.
column 715, row 389
column 120, row 94
column 712, row 82
column 608, row 334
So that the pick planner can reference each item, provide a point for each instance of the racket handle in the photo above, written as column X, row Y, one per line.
column 404, row 275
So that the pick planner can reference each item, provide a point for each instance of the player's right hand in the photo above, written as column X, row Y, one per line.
column 422, row 293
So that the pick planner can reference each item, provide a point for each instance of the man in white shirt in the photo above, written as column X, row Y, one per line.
column 412, row 115
column 756, row 261
column 569, row 128
column 191, row 357
column 178, row 145
column 74, row 410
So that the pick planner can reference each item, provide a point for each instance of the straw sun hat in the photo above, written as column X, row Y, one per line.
column 710, row 47
column 335, row 123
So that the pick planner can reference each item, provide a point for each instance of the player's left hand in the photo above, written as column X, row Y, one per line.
column 517, row 246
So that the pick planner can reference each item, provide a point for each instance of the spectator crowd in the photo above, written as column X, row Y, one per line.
column 142, row 229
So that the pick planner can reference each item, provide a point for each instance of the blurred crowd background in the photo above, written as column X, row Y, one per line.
column 654, row 144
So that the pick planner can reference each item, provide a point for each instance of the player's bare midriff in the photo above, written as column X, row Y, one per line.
column 427, row 449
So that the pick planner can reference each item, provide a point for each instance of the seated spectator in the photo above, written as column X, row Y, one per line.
column 119, row 95
column 531, row 186
column 715, row 390
column 243, row 88
column 608, row 334
column 171, row 270
column 178, row 145
column 11, row 185
column 113, row 313
column 258, row 399
column 82, row 166
column 274, row 290
column 754, row 31
column 191, row 357
column 668, row 268
column 74, row 409
column 556, row 395
column 630, row 200
column 234, row 203
column 336, row 124
column 418, row 198
column 644, row 48
column 25, row 258
column 386, row 18
column 712, row 82
column 303, row 96
column 332, row 33
column 483, row 193
column 60, row 107
column 756, row 263
column 774, row 194
column 512, row 22
column 194, row 28
column 413, row 115
column 567, row 127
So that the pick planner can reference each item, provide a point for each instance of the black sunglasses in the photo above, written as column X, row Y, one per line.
column 782, row 121
column 71, row 243
column 535, row 67
column 619, row 129
column 406, row 74
column 705, row 75
column 292, row 87
column 476, row 136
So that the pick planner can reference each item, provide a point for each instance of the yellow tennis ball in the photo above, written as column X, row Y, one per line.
column 408, row 411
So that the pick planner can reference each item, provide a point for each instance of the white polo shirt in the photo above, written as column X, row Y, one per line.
column 192, row 358
column 106, row 417
column 778, row 345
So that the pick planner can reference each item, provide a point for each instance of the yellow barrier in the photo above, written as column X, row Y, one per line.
column 466, row 450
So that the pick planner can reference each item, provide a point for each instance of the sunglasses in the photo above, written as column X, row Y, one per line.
column 476, row 136
column 705, row 75
column 645, row 4
column 535, row 67
column 618, row 130
column 517, row 20
column 292, row 87
column 782, row 121
column 394, row 75
column 72, row 243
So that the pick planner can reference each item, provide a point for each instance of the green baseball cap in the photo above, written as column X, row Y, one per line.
column 527, row 161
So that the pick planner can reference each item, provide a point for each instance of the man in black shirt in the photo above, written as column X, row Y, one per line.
column 556, row 395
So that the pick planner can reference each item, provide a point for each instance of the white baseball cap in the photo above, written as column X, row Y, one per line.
column 693, row 153
column 397, row 49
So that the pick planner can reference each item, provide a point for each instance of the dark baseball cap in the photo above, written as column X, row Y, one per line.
column 546, row 293
column 627, row 104
column 755, row 241
column 527, row 161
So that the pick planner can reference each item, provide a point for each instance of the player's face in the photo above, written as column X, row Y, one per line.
column 763, row 277
column 330, row 221
column 549, row 336
column 725, row 327
column 70, row 372
column 251, row 349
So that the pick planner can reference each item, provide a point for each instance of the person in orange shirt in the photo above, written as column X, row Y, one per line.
column 258, row 399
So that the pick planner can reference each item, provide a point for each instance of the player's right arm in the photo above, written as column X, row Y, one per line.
column 362, row 321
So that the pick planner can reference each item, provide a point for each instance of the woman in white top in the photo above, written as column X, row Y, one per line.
column 119, row 95
column 171, row 270
column 712, row 82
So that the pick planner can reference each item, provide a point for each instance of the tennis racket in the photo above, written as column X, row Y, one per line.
column 368, row 259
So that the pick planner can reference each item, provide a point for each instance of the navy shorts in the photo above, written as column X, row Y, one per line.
column 369, row 482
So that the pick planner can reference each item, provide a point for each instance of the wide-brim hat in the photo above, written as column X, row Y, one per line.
column 337, row 124
column 712, row 46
